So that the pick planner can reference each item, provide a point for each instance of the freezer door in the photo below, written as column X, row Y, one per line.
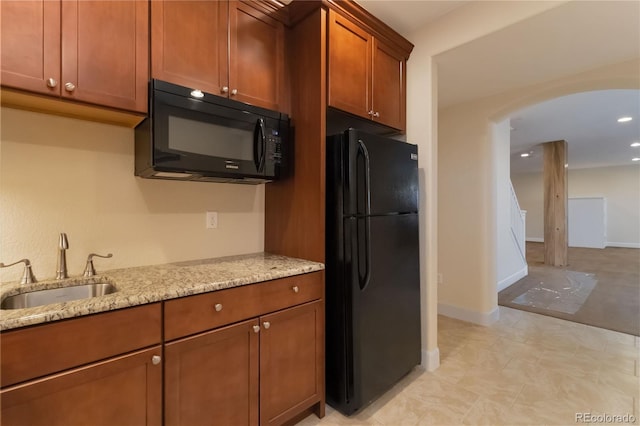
column 381, row 175
column 385, row 304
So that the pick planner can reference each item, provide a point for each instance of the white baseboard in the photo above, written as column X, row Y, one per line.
column 502, row 284
column 607, row 244
column 624, row 245
column 431, row 359
column 463, row 314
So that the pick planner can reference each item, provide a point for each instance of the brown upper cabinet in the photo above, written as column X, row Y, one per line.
column 89, row 51
column 366, row 75
column 233, row 49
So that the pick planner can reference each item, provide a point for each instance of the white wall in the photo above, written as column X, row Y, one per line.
column 65, row 175
column 460, row 26
column 619, row 185
column 466, row 202
column 511, row 265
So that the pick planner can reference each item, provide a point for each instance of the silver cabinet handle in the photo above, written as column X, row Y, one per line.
column 234, row 92
column 224, row 89
column 52, row 82
column 218, row 307
column 266, row 324
column 69, row 87
column 256, row 328
column 155, row 360
column 376, row 114
column 295, row 289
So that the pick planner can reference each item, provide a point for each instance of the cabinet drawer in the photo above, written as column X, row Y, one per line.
column 194, row 314
column 44, row 349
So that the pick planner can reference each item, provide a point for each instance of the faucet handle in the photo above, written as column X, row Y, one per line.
column 89, row 270
column 27, row 276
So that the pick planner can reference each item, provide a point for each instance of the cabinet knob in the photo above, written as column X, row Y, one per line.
column 234, row 92
column 69, row 87
column 295, row 289
column 370, row 112
column 218, row 307
column 256, row 328
column 376, row 114
column 52, row 82
column 155, row 360
column 224, row 89
column 266, row 324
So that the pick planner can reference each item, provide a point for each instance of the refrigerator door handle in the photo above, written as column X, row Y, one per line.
column 364, row 282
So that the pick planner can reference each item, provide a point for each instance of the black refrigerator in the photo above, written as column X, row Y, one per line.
column 372, row 267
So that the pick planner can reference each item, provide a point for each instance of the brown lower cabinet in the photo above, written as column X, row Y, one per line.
column 126, row 390
column 264, row 370
column 267, row 368
column 242, row 356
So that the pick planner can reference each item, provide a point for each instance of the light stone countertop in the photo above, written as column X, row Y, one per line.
column 148, row 284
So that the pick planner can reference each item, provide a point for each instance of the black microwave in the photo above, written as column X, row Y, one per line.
column 191, row 135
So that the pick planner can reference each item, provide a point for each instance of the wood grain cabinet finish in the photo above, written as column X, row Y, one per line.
column 291, row 362
column 189, row 43
column 194, row 314
column 212, row 378
column 121, row 391
column 267, row 369
column 31, row 352
column 90, row 51
column 366, row 76
column 228, row 48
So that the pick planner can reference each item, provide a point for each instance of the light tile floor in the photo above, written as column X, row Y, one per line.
column 526, row 369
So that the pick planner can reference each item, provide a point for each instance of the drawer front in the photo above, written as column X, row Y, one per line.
column 194, row 314
column 36, row 351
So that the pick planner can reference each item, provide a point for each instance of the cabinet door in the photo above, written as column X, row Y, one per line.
column 30, row 45
column 189, row 44
column 212, row 378
column 256, row 54
column 389, row 84
column 120, row 391
column 349, row 66
column 105, row 53
column 291, row 362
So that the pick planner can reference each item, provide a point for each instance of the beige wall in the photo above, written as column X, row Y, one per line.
column 460, row 26
column 619, row 185
column 66, row 175
column 466, row 201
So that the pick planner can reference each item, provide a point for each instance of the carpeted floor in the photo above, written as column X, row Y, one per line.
column 612, row 303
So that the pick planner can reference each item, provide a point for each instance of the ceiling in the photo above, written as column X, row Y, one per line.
column 587, row 121
column 406, row 16
column 542, row 48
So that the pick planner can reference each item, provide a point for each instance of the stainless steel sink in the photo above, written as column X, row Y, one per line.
column 56, row 295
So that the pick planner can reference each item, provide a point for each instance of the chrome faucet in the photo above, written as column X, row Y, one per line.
column 27, row 275
column 63, row 245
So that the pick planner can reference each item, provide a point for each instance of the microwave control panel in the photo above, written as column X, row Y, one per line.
column 274, row 148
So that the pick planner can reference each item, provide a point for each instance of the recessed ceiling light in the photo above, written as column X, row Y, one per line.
column 635, row 144
column 525, row 154
column 624, row 119
column 635, row 159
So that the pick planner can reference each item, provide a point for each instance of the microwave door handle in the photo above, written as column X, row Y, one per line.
column 259, row 145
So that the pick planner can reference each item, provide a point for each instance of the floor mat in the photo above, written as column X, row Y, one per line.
column 613, row 302
column 566, row 294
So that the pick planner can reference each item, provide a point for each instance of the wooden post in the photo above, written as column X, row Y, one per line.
column 555, row 203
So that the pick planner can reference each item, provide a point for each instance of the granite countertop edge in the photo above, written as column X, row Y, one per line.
column 149, row 284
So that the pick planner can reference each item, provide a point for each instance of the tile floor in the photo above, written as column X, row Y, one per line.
column 526, row 369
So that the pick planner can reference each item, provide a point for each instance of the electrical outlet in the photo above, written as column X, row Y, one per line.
column 212, row 220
